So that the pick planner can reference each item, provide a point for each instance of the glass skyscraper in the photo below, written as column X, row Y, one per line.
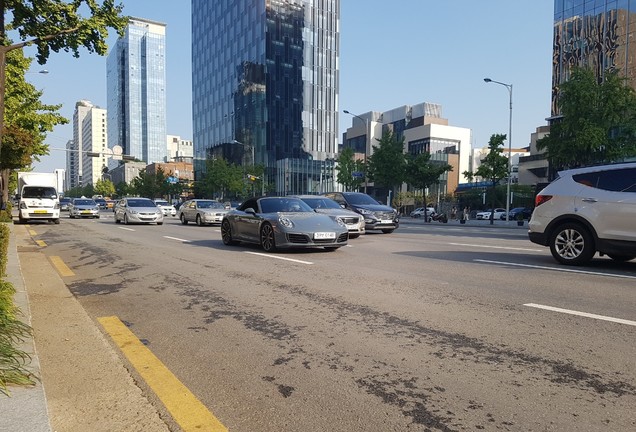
column 136, row 88
column 265, row 88
column 599, row 34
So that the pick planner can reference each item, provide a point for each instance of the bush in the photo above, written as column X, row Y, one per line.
column 5, row 215
column 13, row 361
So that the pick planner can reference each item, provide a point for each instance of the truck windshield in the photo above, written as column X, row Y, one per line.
column 39, row 192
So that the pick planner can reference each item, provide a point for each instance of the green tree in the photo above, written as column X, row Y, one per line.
column 150, row 185
column 494, row 166
column 347, row 165
column 222, row 178
column 387, row 164
column 52, row 25
column 598, row 123
column 421, row 173
column 122, row 189
column 104, row 188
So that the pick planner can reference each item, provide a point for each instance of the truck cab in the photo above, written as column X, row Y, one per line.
column 39, row 199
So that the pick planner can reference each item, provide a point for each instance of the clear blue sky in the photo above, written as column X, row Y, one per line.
column 392, row 53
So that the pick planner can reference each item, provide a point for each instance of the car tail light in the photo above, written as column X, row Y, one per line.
column 540, row 199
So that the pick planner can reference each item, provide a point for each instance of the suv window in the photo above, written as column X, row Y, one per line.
column 618, row 180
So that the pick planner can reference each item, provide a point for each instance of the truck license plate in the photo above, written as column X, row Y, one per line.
column 39, row 211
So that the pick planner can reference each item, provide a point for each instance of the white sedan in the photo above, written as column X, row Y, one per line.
column 167, row 208
column 485, row 215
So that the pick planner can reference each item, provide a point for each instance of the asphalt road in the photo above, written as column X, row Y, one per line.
column 434, row 327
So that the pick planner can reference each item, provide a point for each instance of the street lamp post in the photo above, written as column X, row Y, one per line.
column 366, row 144
column 509, row 87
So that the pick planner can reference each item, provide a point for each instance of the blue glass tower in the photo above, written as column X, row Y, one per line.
column 136, row 88
column 265, row 86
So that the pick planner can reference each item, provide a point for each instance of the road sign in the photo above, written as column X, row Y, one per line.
column 357, row 174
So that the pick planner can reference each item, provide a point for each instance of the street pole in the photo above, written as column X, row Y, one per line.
column 509, row 88
column 367, row 132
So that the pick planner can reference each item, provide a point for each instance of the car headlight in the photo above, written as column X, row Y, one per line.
column 365, row 211
column 96, row 208
column 286, row 222
column 133, row 211
column 341, row 223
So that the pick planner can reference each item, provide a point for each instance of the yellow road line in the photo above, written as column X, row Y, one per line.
column 41, row 243
column 33, row 233
column 185, row 408
column 61, row 267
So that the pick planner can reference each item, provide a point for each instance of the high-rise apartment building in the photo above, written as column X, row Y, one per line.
column 75, row 155
column 94, row 140
column 598, row 34
column 72, row 164
column 265, row 87
column 136, row 88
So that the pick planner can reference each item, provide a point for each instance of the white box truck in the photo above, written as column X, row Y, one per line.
column 39, row 199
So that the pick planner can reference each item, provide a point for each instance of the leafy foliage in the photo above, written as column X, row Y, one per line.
column 598, row 124
column 387, row 164
column 346, row 167
column 421, row 172
column 104, row 188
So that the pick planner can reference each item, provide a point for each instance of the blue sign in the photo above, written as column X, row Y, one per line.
column 172, row 180
column 357, row 174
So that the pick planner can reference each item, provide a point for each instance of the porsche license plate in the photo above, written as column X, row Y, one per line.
column 324, row 235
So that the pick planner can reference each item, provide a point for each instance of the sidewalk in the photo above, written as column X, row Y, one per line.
column 84, row 385
column 470, row 223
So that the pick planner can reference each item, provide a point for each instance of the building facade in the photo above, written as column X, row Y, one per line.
column 179, row 149
column 94, row 140
column 424, row 130
column 599, row 34
column 136, row 89
column 75, row 157
column 72, row 165
column 265, row 83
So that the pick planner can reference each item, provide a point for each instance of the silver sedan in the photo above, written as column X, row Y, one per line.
column 83, row 207
column 202, row 212
column 137, row 210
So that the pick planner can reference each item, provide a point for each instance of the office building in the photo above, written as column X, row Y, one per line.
column 265, row 87
column 179, row 149
column 136, row 89
column 598, row 34
column 424, row 130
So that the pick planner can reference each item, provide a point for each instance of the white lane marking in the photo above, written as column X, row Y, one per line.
column 127, row 229
column 496, row 247
column 583, row 314
column 177, row 239
column 558, row 269
column 280, row 258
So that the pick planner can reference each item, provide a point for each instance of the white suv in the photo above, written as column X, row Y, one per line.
column 588, row 210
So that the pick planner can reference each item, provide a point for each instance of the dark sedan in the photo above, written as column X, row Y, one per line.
column 282, row 222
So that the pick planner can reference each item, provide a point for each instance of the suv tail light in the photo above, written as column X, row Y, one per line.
column 540, row 199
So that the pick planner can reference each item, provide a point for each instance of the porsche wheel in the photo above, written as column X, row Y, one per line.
column 226, row 233
column 268, row 242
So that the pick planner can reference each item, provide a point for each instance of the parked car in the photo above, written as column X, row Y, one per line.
column 167, row 208
column 485, row 215
column 282, row 222
column 513, row 214
column 419, row 212
column 588, row 210
column 202, row 212
column 83, row 207
column 321, row 204
column 376, row 216
column 64, row 202
column 137, row 210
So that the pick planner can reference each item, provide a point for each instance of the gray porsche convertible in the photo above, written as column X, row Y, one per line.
column 282, row 222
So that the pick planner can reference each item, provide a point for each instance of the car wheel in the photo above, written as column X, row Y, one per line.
column 159, row 223
column 126, row 219
column 572, row 244
column 183, row 219
column 226, row 233
column 96, row 217
column 117, row 220
column 268, row 242
column 354, row 236
column 56, row 221
column 199, row 223
column 621, row 258
column 387, row 231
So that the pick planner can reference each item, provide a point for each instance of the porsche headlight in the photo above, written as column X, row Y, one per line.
column 286, row 222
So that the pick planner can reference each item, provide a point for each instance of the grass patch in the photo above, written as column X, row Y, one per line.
column 13, row 361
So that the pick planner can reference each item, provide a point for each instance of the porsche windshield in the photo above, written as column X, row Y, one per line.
column 285, row 205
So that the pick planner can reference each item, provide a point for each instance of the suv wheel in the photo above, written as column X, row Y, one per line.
column 572, row 244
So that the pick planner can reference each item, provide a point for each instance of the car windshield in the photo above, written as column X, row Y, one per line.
column 84, row 202
column 210, row 205
column 361, row 198
column 321, row 203
column 162, row 203
column 141, row 203
column 274, row 205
